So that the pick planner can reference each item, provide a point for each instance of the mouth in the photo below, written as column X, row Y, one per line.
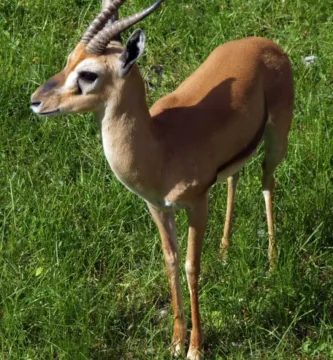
column 34, row 108
column 49, row 113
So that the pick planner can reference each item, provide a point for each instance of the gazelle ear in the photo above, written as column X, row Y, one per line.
column 133, row 50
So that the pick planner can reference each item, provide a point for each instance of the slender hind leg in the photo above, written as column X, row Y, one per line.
column 232, row 184
column 275, row 149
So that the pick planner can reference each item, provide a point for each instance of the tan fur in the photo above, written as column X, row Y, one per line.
column 202, row 132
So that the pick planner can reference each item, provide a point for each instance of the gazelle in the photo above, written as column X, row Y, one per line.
column 203, row 132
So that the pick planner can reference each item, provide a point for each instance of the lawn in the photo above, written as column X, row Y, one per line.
column 82, row 272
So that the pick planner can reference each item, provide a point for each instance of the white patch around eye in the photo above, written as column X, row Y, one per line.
column 91, row 65
column 71, row 81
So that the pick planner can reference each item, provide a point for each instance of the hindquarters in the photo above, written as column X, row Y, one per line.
column 279, row 95
column 279, row 92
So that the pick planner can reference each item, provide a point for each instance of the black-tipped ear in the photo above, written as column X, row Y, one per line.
column 133, row 50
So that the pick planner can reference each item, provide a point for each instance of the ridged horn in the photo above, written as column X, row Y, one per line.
column 114, row 16
column 106, row 4
column 98, row 44
column 109, row 12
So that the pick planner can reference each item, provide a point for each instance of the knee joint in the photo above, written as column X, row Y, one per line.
column 171, row 263
column 191, row 268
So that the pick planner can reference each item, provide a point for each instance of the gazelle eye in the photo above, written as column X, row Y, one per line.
column 88, row 76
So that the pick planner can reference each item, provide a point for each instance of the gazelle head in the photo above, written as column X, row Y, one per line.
column 97, row 69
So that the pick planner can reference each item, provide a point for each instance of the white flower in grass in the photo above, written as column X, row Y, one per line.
column 309, row 60
column 261, row 233
column 163, row 314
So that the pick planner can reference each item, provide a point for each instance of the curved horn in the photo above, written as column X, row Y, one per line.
column 100, row 20
column 115, row 15
column 98, row 44
column 106, row 4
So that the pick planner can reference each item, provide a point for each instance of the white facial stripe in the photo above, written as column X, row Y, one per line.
column 91, row 65
column 71, row 81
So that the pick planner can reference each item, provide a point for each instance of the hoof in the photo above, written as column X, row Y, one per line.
column 177, row 349
column 272, row 262
column 178, row 339
column 194, row 354
column 223, row 256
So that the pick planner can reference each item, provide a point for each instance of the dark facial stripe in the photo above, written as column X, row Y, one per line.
column 249, row 149
column 54, row 82
column 49, row 85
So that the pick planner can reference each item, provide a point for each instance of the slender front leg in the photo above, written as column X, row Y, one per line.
column 268, row 187
column 232, row 184
column 165, row 222
column 197, row 216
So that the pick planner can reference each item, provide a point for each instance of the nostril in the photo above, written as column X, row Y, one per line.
column 35, row 103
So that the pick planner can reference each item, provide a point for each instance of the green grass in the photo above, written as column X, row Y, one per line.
column 82, row 274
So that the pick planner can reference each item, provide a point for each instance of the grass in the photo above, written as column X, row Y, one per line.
column 82, row 274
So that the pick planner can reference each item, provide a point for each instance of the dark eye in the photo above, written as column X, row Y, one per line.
column 88, row 76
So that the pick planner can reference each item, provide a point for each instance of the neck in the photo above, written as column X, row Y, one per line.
column 128, row 141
